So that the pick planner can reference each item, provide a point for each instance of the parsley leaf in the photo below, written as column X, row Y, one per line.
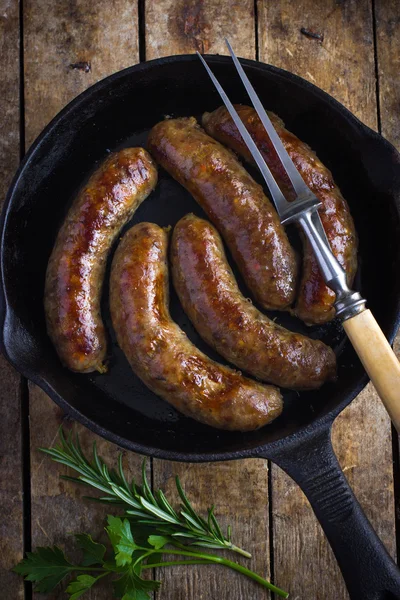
column 46, row 567
column 132, row 587
column 82, row 584
column 136, row 595
column 158, row 541
column 93, row 553
column 159, row 530
column 120, row 534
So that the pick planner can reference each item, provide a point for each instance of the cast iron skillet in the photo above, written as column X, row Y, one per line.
column 118, row 112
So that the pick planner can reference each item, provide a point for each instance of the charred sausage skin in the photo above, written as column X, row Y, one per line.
column 315, row 300
column 160, row 353
column 228, row 322
column 236, row 205
column 76, row 267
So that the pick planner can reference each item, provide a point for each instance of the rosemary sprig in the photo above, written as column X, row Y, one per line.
column 143, row 507
column 154, row 534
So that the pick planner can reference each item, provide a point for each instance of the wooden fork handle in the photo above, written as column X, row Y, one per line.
column 378, row 359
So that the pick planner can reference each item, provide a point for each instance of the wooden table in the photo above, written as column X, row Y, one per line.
column 51, row 50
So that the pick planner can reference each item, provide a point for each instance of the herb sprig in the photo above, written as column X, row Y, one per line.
column 142, row 506
column 47, row 567
column 151, row 534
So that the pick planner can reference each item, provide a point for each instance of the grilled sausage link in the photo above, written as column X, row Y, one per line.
column 76, row 267
column 159, row 351
column 236, row 205
column 315, row 300
column 228, row 322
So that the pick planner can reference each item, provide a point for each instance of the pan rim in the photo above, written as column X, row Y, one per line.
column 6, row 311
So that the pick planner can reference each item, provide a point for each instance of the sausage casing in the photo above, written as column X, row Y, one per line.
column 315, row 302
column 75, row 271
column 236, row 205
column 160, row 353
column 228, row 322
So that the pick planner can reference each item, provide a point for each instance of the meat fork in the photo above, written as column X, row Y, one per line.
column 367, row 338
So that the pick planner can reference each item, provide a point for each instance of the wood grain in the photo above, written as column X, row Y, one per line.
column 387, row 18
column 11, row 494
column 68, row 46
column 11, row 498
column 387, row 21
column 343, row 65
column 58, row 507
column 240, row 492
column 78, row 43
column 184, row 26
column 238, row 487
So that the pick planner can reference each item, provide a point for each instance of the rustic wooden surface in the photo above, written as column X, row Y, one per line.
column 67, row 46
column 177, row 28
column 387, row 20
column 344, row 66
column 387, row 16
column 11, row 501
column 76, row 45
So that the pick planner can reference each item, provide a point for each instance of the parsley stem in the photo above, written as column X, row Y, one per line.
column 232, row 565
column 143, row 556
column 103, row 574
column 172, row 563
column 87, row 569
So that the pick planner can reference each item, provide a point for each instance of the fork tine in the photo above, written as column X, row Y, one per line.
column 293, row 174
column 279, row 199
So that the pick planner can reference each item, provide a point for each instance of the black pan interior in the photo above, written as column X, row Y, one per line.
column 118, row 112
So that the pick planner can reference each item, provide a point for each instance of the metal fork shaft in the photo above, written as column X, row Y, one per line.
column 348, row 303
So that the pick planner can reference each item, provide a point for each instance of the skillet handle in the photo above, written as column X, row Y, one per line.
column 368, row 570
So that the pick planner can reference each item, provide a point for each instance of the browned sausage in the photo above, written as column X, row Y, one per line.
column 76, row 267
column 315, row 299
column 231, row 324
column 234, row 203
column 159, row 351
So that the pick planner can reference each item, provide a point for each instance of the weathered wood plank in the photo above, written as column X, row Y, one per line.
column 184, row 26
column 11, row 485
column 240, row 493
column 387, row 21
column 387, row 16
column 343, row 65
column 239, row 489
column 76, row 44
column 11, row 499
column 58, row 507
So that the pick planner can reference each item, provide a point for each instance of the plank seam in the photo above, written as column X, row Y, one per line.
column 21, row 83
column 256, row 29
column 142, row 30
column 377, row 90
column 395, row 439
column 24, row 390
column 26, row 477
column 271, row 528
column 396, row 486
